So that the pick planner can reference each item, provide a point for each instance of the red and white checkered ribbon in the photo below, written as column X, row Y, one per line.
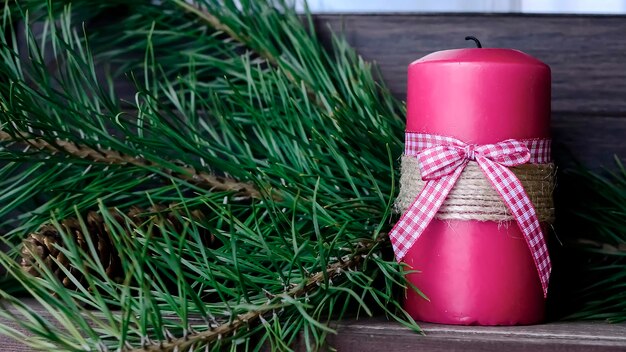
column 441, row 161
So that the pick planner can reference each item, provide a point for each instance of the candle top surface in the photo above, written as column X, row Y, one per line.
column 480, row 55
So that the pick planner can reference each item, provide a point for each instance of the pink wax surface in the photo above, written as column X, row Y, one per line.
column 476, row 272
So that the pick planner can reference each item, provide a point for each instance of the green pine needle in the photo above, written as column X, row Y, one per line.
column 241, row 93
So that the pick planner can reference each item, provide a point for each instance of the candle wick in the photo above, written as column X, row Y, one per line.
column 478, row 45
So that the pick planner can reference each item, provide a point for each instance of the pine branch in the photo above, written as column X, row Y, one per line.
column 220, row 26
column 270, row 58
column 200, row 178
column 199, row 339
column 43, row 246
column 247, row 113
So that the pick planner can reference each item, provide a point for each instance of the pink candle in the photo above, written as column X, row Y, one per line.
column 476, row 272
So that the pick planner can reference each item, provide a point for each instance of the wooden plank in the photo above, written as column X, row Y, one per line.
column 587, row 54
column 378, row 334
column 11, row 345
column 592, row 140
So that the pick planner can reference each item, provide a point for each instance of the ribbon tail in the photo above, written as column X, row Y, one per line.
column 519, row 204
column 419, row 214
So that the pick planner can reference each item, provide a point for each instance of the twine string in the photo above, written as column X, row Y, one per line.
column 474, row 198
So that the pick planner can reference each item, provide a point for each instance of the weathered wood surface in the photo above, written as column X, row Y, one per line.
column 593, row 140
column 587, row 55
column 378, row 334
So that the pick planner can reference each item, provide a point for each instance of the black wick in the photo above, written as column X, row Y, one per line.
column 469, row 37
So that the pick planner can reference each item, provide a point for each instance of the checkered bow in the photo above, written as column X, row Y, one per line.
column 442, row 160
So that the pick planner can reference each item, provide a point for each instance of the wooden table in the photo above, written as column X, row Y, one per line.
column 380, row 335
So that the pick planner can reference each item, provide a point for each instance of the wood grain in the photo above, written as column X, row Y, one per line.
column 379, row 334
column 587, row 54
column 592, row 140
